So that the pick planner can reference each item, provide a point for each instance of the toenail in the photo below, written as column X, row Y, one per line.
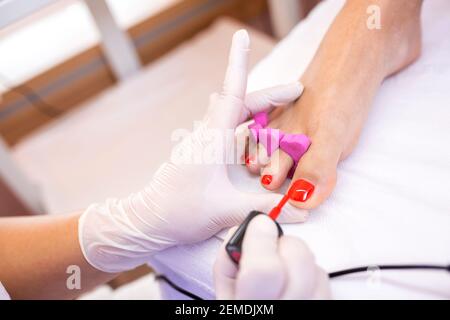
column 248, row 160
column 301, row 190
column 266, row 179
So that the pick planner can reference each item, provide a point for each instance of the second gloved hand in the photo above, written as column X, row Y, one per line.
column 270, row 267
column 187, row 201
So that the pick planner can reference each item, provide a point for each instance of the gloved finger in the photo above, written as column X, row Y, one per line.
column 261, row 274
column 264, row 202
column 235, row 83
column 301, row 268
column 323, row 290
column 213, row 99
column 225, row 271
column 226, row 112
column 267, row 99
column 242, row 137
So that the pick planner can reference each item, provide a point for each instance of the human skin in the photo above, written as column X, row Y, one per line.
column 35, row 253
column 340, row 85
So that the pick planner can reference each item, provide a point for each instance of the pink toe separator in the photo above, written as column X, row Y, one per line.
column 295, row 145
column 254, row 130
column 261, row 120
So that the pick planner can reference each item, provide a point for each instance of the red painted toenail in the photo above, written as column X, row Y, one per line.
column 266, row 179
column 301, row 190
column 249, row 160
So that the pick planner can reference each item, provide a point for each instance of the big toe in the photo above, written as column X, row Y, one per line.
column 315, row 176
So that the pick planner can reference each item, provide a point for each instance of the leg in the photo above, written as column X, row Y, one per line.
column 340, row 84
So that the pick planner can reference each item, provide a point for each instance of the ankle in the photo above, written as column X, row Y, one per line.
column 403, row 38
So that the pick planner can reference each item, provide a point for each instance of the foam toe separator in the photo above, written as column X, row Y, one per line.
column 295, row 145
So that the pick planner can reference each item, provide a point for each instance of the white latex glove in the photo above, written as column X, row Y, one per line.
column 186, row 202
column 270, row 267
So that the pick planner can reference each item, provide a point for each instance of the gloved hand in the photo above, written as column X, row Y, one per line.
column 270, row 267
column 187, row 201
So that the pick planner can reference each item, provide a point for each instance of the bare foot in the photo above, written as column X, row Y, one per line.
column 340, row 85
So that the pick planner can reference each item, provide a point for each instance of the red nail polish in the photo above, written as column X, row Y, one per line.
column 236, row 255
column 266, row 179
column 249, row 160
column 301, row 190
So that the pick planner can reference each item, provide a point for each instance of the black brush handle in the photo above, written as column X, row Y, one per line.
column 234, row 245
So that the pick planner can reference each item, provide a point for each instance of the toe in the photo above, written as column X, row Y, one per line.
column 275, row 172
column 315, row 175
column 251, row 159
column 262, row 156
column 257, row 158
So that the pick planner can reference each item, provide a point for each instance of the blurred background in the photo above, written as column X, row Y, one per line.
column 44, row 41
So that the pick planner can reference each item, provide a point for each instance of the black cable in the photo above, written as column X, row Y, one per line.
column 389, row 267
column 32, row 97
column 177, row 288
column 331, row 275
